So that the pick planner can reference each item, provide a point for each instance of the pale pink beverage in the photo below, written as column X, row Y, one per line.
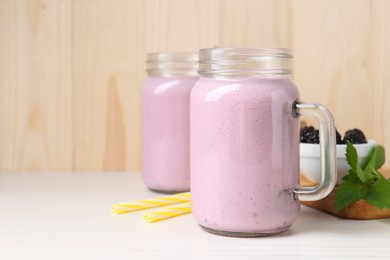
column 245, row 143
column 165, row 121
column 251, row 157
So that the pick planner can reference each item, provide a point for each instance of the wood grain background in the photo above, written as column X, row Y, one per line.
column 70, row 71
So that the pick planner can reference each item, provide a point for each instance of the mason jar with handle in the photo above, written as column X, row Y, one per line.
column 244, row 129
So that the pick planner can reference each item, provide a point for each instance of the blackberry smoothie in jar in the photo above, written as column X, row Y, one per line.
column 165, row 120
column 245, row 143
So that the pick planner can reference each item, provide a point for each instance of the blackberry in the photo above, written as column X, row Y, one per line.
column 339, row 140
column 309, row 135
column 355, row 136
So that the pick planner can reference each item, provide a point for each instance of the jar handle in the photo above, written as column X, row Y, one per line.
column 327, row 152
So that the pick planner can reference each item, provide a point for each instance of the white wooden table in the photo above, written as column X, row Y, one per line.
column 67, row 216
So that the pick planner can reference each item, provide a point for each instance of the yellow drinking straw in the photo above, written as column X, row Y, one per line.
column 121, row 208
column 167, row 212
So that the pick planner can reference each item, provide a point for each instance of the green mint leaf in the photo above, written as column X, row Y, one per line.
column 361, row 174
column 366, row 183
column 351, row 154
column 376, row 158
column 348, row 193
column 379, row 194
column 370, row 165
column 380, row 156
column 351, row 177
column 375, row 161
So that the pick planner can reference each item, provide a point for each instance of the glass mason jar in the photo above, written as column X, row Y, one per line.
column 165, row 120
column 245, row 143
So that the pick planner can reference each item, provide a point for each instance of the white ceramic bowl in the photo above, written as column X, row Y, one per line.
column 310, row 159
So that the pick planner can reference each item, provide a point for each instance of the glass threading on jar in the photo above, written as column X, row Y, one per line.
column 172, row 64
column 240, row 62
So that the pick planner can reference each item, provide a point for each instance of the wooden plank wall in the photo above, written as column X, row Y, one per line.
column 70, row 71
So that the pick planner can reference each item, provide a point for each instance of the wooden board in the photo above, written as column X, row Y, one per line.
column 358, row 210
column 35, row 85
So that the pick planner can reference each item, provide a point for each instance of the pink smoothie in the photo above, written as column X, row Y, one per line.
column 244, row 154
column 165, row 133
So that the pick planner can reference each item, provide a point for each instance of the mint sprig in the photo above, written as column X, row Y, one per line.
column 364, row 183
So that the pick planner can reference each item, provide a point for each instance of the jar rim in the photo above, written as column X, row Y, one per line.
column 172, row 64
column 172, row 56
column 244, row 62
column 268, row 51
